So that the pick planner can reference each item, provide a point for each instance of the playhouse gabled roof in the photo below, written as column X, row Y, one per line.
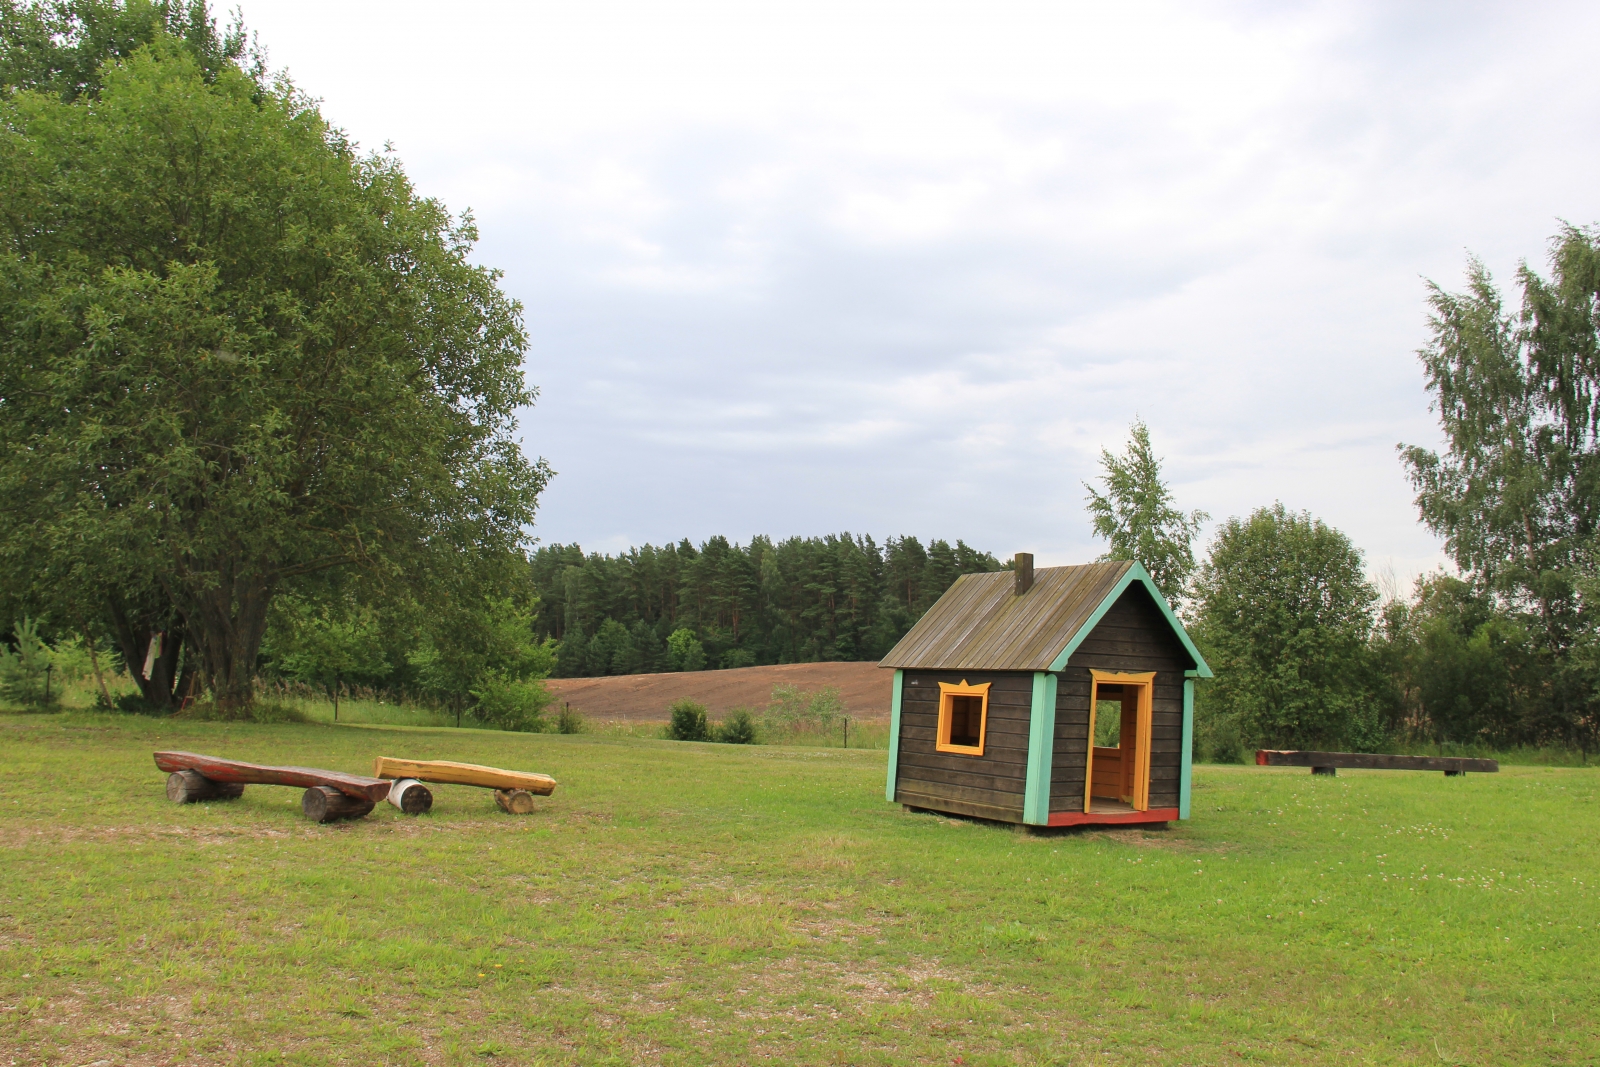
column 982, row 624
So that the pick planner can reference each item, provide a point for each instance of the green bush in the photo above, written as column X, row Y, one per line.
column 25, row 670
column 793, row 712
column 688, row 721
column 511, row 704
column 739, row 728
column 569, row 721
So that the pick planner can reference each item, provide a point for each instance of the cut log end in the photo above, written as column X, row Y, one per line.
column 514, row 801
column 189, row 787
column 323, row 803
column 411, row 796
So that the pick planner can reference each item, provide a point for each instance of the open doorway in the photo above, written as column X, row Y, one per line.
column 1117, row 771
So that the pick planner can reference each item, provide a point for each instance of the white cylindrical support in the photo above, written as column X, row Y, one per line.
column 410, row 796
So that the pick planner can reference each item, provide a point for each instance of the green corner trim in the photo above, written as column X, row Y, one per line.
column 1136, row 573
column 894, row 733
column 1187, row 768
column 1041, row 750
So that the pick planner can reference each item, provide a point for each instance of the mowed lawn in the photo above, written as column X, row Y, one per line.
column 705, row 904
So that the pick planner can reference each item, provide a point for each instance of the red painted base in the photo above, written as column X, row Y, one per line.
column 1085, row 818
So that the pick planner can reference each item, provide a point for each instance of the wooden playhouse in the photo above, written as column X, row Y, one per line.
column 996, row 690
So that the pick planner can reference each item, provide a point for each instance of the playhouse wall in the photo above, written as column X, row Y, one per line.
column 990, row 786
column 1133, row 637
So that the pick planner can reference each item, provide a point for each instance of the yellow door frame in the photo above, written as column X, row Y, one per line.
column 1145, row 683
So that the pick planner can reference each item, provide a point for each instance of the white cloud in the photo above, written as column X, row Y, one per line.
column 908, row 267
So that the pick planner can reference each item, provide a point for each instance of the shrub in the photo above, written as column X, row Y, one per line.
column 24, row 671
column 688, row 721
column 738, row 657
column 739, row 728
column 793, row 711
column 511, row 704
column 569, row 721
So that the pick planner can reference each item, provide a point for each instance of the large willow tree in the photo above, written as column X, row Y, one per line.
column 236, row 354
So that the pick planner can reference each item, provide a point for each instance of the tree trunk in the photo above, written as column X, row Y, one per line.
column 94, row 661
column 134, row 631
column 189, row 786
column 514, row 801
column 226, row 624
column 323, row 803
column 411, row 796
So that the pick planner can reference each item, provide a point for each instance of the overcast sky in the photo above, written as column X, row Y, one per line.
column 907, row 268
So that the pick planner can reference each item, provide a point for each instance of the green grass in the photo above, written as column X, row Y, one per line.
column 691, row 904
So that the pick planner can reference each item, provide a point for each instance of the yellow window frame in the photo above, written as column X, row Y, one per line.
column 1145, row 682
column 947, row 690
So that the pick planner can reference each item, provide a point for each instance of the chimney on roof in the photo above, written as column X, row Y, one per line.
column 1022, row 568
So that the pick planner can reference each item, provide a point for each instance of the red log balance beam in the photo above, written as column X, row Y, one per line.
column 357, row 786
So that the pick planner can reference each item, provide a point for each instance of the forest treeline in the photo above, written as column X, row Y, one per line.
column 722, row 604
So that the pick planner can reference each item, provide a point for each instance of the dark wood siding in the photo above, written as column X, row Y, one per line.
column 991, row 785
column 1132, row 636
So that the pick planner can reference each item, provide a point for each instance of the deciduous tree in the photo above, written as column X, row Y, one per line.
column 236, row 352
column 1135, row 515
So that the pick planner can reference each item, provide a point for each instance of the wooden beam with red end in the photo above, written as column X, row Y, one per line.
column 227, row 770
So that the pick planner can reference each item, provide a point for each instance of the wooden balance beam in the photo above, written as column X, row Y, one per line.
column 1329, row 762
column 513, row 790
column 192, row 777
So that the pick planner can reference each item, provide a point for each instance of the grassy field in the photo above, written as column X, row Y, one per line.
column 694, row 904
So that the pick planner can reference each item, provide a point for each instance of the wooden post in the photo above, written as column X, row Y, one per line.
column 514, row 801
column 48, row 668
column 338, row 676
column 411, row 796
column 323, row 803
column 188, row 787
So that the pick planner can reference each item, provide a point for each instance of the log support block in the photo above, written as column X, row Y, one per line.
column 514, row 801
column 1331, row 772
column 411, row 796
column 323, row 803
column 189, row 787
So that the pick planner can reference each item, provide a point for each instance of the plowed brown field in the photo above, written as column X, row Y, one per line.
column 644, row 697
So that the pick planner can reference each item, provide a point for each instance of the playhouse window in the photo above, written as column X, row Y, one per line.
column 963, row 717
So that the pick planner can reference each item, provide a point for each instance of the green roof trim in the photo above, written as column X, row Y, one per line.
column 1136, row 573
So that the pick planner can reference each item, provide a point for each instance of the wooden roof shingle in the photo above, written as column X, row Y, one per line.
column 982, row 624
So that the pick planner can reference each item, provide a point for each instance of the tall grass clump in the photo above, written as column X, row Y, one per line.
column 795, row 716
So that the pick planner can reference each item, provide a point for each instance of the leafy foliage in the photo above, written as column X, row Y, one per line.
column 684, row 651
column 738, row 728
column 687, row 721
column 1136, row 517
column 236, row 355
column 1284, row 617
column 1516, row 493
column 60, row 47
column 25, row 670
